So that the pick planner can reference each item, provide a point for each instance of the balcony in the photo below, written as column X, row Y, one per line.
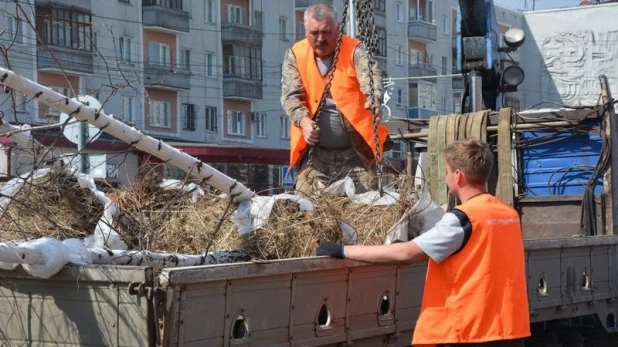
column 422, row 69
column 307, row 3
column 71, row 60
column 158, row 76
column 169, row 19
column 422, row 31
column 80, row 4
column 458, row 83
column 239, row 33
column 241, row 88
column 415, row 112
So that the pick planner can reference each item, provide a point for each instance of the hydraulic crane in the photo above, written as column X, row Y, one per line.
column 479, row 45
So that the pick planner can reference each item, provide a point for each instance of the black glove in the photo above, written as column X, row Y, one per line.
column 330, row 249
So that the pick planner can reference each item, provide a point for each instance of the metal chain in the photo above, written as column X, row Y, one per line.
column 366, row 22
column 330, row 78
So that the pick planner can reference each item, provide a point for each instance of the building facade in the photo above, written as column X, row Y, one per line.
column 205, row 75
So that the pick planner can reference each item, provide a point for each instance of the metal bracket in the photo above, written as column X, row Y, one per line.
column 140, row 289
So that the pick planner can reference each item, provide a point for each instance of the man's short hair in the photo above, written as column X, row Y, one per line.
column 472, row 157
column 320, row 12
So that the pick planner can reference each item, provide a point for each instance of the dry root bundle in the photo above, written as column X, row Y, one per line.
column 53, row 205
column 155, row 219
column 292, row 233
column 152, row 218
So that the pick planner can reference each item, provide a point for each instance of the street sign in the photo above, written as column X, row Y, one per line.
column 81, row 133
column 74, row 131
column 286, row 176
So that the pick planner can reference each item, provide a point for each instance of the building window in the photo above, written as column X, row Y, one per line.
column 444, row 65
column 124, row 45
column 457, row 102
column 379, row 5
column 128, row 109
column 399, row 96
column 415, row 57
column 234, row 14
column 210, row 64
column 430, row 11
column 236, row 67
column 185, row 60
column 260, row 124
column 235, row 123
column 396, row 152
column 242, row 61
column 51, row 112
column 258, row 20
column 21, row 102
column 285, row 127
column 283, row 32
column 209, row 11
column 423, row 95
column 444, row 25
column 300, row 31
column 189, row 117
column 211, row 119
column 160, row 112
column 400, row 58
column 400, row 12
column 95, row 42
column 382, row 44
column 65, row 27
column 14, row 30
column 158, row 54
column 173, row 4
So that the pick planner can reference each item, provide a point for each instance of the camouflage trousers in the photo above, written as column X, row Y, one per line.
column 330, row 165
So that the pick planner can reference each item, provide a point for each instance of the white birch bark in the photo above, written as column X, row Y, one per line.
column 13, row 253
column 127, row 134
column 165, row 260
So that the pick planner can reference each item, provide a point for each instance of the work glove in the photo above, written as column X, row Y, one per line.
column 330, row 249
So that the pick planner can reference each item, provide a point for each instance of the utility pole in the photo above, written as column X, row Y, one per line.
column 533, row 5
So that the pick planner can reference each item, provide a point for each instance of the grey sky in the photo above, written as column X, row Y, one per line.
column 540, row 4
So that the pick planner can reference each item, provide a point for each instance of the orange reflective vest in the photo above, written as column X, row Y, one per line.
column 478, row 294
column 345, row 91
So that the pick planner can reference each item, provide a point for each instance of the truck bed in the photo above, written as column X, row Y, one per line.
column 294, row 302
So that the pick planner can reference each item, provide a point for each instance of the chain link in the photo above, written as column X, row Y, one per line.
column 330, row 78
column 369, row 34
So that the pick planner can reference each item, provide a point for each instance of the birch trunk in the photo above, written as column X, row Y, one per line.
column 164, row 260
column 127, row 134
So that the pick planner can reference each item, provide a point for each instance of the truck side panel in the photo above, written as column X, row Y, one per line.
column 573, row 277
column 87, row 306
column 285, row 304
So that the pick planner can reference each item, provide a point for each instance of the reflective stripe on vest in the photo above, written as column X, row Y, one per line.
column 345, row 91
column 478, row 294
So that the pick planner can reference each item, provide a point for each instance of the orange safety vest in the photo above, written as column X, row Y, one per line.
column 478, row 294
column 345, row 91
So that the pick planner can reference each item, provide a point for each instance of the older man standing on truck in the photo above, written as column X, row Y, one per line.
column 475, row 289
column 341, row 132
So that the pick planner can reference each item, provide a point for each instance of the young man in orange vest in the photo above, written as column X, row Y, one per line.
column 342, row 133
column 475, row 288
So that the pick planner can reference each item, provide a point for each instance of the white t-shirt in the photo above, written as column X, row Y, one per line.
column 448, row 236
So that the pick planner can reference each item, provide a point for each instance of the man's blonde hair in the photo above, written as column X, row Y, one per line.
column 472, row 157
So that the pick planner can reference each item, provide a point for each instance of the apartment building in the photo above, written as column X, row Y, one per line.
column 204, row 76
